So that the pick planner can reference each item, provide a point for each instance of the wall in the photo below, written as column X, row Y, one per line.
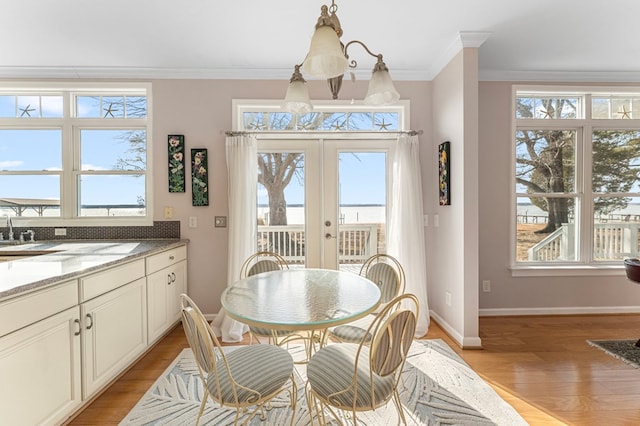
column 611, row 293
column 454, row 241
column 201, row 111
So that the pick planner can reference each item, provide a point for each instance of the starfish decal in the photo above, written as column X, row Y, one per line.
column 547, row 113
column 27, row 110
column 383, row 125
column 257, row 126
column 625, row 114
column 109, row 111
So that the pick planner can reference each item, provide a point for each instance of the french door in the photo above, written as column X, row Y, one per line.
column 322, row 203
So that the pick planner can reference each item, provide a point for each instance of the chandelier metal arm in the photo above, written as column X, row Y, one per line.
column 353, row 63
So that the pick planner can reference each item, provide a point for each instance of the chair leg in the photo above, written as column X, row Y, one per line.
column 205, row 397
column 398, row 404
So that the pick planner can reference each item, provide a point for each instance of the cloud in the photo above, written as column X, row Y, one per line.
column 91, row 167
column 10, row 164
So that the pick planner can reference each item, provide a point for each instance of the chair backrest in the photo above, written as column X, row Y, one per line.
column 262, row 261
column 393, row 332
column 387, row 273
column 204, row 344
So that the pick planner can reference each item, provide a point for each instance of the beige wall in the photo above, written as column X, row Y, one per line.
column 201, row 110
column 454, row 242
column 529, row 295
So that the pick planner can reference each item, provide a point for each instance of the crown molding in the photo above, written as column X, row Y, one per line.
column 561, row 76
column 472, row 39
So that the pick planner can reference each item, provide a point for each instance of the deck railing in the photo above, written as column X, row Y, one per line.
column 611, row 241
column 356, row 242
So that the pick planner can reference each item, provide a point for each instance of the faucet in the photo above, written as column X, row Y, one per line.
column 10, row 225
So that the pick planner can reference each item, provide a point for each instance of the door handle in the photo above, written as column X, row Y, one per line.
column 91, row 323
column 77, row 321
column 328, row 236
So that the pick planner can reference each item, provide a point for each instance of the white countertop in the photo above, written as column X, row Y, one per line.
column 71, row 259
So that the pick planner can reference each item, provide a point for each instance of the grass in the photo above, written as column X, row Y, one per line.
column 527, row 238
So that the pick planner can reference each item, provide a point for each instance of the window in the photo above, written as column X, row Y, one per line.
column 576, row 174
column 74, row 154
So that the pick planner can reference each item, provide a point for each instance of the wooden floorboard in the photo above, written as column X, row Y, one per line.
column 541, row 365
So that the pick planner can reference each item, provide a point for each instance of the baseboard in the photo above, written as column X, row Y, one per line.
column 463, row 342
column 560, row 311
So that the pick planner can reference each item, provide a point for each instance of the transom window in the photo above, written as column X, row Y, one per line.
column 75, row 154
column 576, row 173
column 335, row 117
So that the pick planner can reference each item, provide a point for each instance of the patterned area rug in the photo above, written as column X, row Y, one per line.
column 626, row 350
column 438, row 387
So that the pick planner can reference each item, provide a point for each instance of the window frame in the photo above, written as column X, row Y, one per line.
column 583, row 193
column 71, row 127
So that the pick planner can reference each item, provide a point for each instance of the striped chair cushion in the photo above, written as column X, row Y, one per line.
column 331, row 370
column 264, row 265
column 267, row 332
column 262, row 368
column 351, row 333
column 386, row 278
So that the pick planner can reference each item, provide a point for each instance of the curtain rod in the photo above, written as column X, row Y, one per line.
column 332, row 132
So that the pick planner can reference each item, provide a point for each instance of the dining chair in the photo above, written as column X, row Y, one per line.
column 354, row 377
column 262, row 261
column 241, row 378
column 388, row 274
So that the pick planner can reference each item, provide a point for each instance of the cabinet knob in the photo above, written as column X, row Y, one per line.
column 171, row 257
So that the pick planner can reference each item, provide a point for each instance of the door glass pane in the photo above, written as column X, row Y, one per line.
column 281, row 205
column 362, row 207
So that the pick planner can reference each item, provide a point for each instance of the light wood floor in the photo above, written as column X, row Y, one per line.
column 540, row 365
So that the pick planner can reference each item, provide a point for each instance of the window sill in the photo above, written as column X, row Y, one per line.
column 568, row 271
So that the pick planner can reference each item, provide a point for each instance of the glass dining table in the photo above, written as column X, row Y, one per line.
column 301, row 299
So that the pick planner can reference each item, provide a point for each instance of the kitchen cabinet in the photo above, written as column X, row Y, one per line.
column 41, row 371
column 114, row 334
column 64, row 342
column 166, row 280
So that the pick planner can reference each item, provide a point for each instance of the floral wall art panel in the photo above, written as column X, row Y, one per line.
column 176, row 163
column 199, row 177
column 444, row 184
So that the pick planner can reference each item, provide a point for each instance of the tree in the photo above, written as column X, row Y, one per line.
column 545, row 161
column 275, row 171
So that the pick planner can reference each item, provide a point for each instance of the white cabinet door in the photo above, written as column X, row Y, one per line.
column 40, row 371
column 164, row 288
column 115, row 333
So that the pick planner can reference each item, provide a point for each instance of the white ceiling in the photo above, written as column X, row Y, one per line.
column 561, row 40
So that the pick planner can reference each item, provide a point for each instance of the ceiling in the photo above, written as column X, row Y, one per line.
column 541, row 40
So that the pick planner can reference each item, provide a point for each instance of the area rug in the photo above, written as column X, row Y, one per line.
column 437, row 388
column 625, row 350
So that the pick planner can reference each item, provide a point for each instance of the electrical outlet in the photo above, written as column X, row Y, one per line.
column 486, row 286
column 447, row 298
column 168, row 212
column 436, row 221
column 193, row 222
column 60, row 232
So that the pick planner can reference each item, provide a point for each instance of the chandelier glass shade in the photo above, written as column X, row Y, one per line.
column 328, row 59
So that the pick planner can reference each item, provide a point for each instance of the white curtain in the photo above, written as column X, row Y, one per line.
column 406, row 232
column 242, row 170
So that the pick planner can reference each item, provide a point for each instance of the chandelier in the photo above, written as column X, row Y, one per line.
column 328, row 59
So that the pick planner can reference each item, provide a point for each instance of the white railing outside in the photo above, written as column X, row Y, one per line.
column 611, row 241
column 356, row 242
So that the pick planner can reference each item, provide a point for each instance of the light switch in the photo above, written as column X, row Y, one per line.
column 193, row 222
column 220, row 222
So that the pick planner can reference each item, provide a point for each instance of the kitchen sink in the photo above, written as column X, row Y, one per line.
column 9, row 255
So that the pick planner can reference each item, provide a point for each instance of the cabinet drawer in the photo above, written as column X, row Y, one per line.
column 24, row 310
column 102, row 282
column 166, row 258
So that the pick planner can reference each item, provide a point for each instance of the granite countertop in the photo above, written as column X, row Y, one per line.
column 67, row 260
